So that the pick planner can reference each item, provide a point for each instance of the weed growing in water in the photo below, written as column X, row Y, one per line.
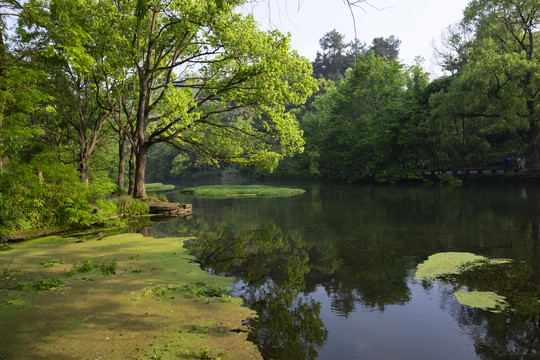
column 86, row 266
column 159, row 197
column 47, row 264
column 129, row 206
column 198, row 290
column 22, row 285
column 47, row 284
column 108, row 267
column 199, row 329
column 12, row 301
column 205, row 353
column 201, row 289
column 162, row 290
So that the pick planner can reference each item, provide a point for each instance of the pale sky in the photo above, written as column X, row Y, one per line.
column 417, row 23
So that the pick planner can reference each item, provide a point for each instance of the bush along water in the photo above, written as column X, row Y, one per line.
column 128, row 206
column 47, row 193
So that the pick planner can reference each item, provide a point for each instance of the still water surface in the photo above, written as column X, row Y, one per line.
column 330, row 272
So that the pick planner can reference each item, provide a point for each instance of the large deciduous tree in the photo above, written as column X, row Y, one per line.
column 67, row 42
column 497, row 71
column 197, row 63
column 203, row 77
column 19, row 95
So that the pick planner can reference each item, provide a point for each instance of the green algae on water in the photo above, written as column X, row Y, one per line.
column 451, row 263
column 443, row 264
column 228, row 191
column 93, row 316
column 439, row 265
column 486, row 300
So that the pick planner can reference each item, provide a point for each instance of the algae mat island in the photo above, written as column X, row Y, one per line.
column 120, row 297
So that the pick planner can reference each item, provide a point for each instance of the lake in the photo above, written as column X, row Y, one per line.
column 330, row 272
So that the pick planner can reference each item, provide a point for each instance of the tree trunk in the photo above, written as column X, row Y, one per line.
column 83, row 170
column 535, row 154
column 131, row 189
column 534, row 161
column 140, row 170
column 3, row 99
column 121, row 160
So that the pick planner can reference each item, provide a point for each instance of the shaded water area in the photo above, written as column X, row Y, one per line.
column 330, row 272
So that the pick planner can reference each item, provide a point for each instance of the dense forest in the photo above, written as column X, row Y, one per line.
column 97, row 97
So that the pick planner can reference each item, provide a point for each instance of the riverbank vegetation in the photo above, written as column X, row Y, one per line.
column 86, row 113
column 88, row 88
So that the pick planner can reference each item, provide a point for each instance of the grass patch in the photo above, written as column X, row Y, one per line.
column 199, row 289
column 158, row 187
column 48, row 284
column 21, row 285
column 227, row 191
column 108, row 267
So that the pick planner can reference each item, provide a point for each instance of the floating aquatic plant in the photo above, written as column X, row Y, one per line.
column 442, row 265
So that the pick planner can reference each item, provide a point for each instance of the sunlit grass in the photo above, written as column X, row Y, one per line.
column 225, row 191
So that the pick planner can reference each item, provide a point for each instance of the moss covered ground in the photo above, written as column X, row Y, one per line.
column 119, row 297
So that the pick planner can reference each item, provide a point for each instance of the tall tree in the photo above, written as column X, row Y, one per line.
column 196, row 61
column 336, row 56
column 498, row 80
column 19, row 93
column 386, row 48
column 67, row 44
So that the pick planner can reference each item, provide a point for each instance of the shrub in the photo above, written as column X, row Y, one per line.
column 449, row 179
column 159, row 197
column 108, row 267
column 129, row 206
column 45, row 192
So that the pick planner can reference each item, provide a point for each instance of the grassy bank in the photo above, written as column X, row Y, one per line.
column 224, row 191
column 120, row 297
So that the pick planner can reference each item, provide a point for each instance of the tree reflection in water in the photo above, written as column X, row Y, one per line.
column 511, row 334
column 288, row 325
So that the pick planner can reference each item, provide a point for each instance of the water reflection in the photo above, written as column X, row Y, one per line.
column 272, row 269
column 513, row 334
column 329, row 272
